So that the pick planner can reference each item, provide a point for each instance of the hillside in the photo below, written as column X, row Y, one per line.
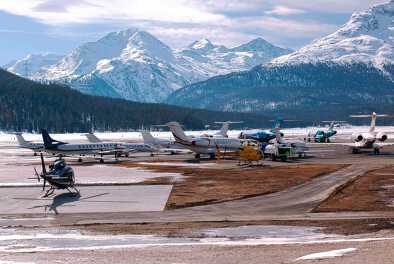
column 312, row 92
column 349, row 71
column 27, row 105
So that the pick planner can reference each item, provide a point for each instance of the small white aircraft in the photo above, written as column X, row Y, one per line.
column 36, row 147
column 128, row 147
column 203, row 144
column 225, row 127
column 369, row 140
column 63, row 148
column 162, row 145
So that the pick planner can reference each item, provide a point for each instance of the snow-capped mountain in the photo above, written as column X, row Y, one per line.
column 348, row 71
column 33, row 63
column 134, row 65
column 210, row 60
column 368, row 37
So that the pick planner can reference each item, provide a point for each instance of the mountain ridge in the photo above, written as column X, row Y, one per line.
column 135, row 65
column 348, row 71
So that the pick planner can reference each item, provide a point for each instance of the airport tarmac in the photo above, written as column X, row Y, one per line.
column 118, row 195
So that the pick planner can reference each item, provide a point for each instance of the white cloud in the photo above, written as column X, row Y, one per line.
column 94, row 10
column 284, row 11
column 179, row 22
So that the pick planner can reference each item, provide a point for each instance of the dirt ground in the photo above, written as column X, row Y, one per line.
column 203, row 186
column 371, row 192
column 342, row 227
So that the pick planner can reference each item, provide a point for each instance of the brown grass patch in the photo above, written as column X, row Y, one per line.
column 370, row 192
column 206, row 186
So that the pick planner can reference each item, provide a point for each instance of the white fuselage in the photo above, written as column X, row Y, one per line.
column 210, row 145
column 366, row 140
column 32, row 146
column 86, row 148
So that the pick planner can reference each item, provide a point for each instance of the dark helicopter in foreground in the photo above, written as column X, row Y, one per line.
column 59, row 177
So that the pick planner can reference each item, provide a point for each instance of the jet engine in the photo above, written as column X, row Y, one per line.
column 357, row 137
column 381, row 136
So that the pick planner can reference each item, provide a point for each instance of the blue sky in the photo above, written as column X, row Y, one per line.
column 36, row 26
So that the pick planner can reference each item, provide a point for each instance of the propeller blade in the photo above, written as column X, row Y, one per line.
column 44, row 185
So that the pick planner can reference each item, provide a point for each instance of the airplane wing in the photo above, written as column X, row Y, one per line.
column 331, row 144
column 382, row 144
column 177, row 151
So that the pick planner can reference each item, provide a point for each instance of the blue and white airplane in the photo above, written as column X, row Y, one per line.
column 264, row 136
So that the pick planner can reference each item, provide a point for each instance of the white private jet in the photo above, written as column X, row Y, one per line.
column 225, row 127
column 162, row 145
column 36, row 147
column 63, row 148
column 203, row 145
column 369, row 140
column 128, row 147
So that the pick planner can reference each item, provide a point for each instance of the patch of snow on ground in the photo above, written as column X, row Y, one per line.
column 328, row 254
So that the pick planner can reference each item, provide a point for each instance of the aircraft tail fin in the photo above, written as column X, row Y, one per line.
column 92, row 138
column 48, row 141
column 148, row 138
column 279, row 124
column 373, row 122
column 331, row 126
column 224, row 129
column 21, row 140
column 178, row 132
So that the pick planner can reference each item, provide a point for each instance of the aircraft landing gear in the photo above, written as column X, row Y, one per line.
column 376, row 151
column 79, row 159
column 197, row 156
column 35, row 153
column 212, row 156
column 101, row 160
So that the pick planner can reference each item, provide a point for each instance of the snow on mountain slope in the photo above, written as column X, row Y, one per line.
column 209, row 60
column 134, row 65
column 368, row 37
column 84, row 59
column 32, row 64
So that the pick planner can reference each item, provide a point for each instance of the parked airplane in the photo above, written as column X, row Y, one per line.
column 203, row 145
column 162, row 145
column 61, row 148
column 225, row 127
column 371, row 139
column 36, row 147
column 321, row 136
column 264, row 136
column 127, row 147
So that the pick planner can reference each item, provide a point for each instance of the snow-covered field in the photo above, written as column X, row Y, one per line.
column 136, row 136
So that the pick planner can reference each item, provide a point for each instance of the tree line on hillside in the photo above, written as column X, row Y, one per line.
column 309, row 91
column 27, row 105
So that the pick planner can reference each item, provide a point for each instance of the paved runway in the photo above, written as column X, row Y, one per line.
column 93, row 199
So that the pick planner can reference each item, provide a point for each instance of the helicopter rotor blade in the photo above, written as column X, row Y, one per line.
column 37, row 175
column 44, row 171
